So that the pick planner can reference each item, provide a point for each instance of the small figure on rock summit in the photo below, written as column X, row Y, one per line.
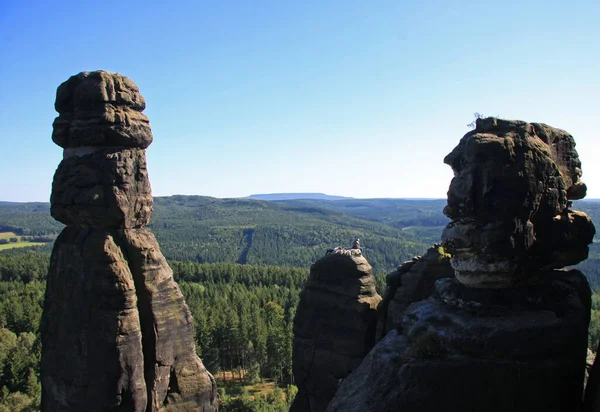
column 354, row 250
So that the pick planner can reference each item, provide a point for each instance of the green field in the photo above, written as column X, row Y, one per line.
column 8, row 235
column 20, row 244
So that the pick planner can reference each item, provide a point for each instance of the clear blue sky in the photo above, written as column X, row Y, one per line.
column 355, row 98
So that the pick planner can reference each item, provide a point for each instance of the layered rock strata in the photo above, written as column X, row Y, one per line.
column 334, row 327
column 412, row 282
column 509, row 203
column 116, row 332
column 509, row 332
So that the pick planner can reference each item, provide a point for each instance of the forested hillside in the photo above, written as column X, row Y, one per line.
column 398, row 213
column 243, row 231
column 28, row 219
column 285, row 232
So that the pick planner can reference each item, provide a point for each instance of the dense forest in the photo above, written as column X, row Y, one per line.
column 242, row 316
column 284, row 232
column 240, row 264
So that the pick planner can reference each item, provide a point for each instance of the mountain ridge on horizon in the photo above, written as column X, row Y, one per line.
column 295, row 196
column 276, row 197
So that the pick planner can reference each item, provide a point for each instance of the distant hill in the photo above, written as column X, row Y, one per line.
column 28, row 219
column 285, row 232
column 294, row 196
column 398, row 213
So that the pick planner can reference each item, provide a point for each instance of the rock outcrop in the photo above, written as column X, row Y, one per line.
column 509, row 332
column 116, row 332
column 334, row 327
column 509, row 203
column 412, row 282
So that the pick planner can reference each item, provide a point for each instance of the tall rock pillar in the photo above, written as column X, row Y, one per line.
column 334, row 327
column 116, row 332
column 509, row 331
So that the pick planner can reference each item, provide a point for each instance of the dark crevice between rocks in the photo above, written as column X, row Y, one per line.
column 342, row 295
column 173, row 389
column 127, row 403
column 147, row 324
column 328, row 346
column 371, row 334
column 307, row 379
column 393, row 282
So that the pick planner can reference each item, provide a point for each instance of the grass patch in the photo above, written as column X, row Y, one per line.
column 22, row 241
column 7, row 235
column 234, row 387
column 20, row 244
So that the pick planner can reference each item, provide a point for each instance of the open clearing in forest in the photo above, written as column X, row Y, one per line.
column 7, row 235
column 234, row 388
column 20, row 244
column 12, row 245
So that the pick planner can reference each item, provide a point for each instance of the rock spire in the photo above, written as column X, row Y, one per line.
column 334, row 327
column 509, row 331
column 116, row 332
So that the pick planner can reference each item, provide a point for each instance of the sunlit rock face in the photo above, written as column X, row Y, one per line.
column 509, row 203
column 334, row 327
column 100, row 109
column 116, row 332
column 509, row 331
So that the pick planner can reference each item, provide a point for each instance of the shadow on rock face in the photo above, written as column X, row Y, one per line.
column 509, row 332
column 509, row 203
column 412, row 282
column 334, row 327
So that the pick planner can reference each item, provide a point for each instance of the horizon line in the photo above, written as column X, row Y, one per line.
column 285, row 193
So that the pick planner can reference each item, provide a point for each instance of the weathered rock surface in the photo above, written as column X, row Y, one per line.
column 100, row 109
column 334, row 327
column 106, row 188
column 509, row 203
column 509, row 350
column 116, row 332
column 413, row 281
column 509, row 332
column 177, row 374
column 91, row 334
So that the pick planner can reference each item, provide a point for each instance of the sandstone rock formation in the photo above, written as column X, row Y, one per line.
column 522, row 351
column 412, row 282
column 509, row 332
column 334, row 327
column 509, row 203
column 116, row 332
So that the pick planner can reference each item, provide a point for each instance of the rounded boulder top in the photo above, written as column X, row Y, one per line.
column 100, row 108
